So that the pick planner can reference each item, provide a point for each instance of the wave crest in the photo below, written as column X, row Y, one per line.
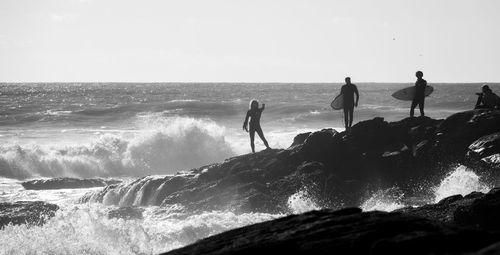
column 163, row 146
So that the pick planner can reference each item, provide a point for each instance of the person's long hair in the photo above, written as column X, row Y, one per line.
column 253, row 102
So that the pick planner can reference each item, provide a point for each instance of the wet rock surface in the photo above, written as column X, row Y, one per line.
column 333, row 166
column 67, row 183
column 342, row 167
column 455, row 225
column 344, row 232
column 127, row 213
column 26, row 212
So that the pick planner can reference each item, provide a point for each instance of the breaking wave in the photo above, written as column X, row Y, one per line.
column 162, row 146
column 89, row 230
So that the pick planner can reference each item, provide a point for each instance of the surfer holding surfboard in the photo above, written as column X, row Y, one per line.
column 347, row 92
column 419, row 97
column 416, row 93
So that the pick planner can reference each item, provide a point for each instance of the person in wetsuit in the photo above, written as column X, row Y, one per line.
column 487, row 99
column 419, row 97
column 349, row 90
column 254, row 114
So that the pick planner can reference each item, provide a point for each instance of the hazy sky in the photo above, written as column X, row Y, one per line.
column 249, row 41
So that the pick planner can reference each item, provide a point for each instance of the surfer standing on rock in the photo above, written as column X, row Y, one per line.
column 419, row 98
column 348, row 91
column 254, row 114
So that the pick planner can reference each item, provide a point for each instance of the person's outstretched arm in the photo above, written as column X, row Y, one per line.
column 245, row 124
column 357, row 96
column 263, row 107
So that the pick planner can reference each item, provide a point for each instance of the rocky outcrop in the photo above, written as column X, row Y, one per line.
column 455, row 225
column 485, row 146
column 460, row 130
column 334, row 166
column 26, row 212
column 348, row 231
column 342, row 167
column 476, row 210
column 67, row 183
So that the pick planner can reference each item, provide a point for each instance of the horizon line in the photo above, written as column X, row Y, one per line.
column 239, row 82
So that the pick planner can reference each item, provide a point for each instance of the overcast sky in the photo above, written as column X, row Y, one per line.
column 249, row 41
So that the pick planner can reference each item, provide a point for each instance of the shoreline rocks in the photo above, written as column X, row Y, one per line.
column 333, row 166
column 455, row 225
column 26, row 212
column 67, row 183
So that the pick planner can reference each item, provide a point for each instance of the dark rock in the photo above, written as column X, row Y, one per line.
column 485, row 146
column 493, row 249
column 444, row 210
column 26, row 212
column 483, row 212
column 67, row 183
column 370, row 134
column 476, row 210
column 300, row 139
column 346, row 231
column 126, row 213
column 460, row 130
column 309, row 167
column 333, row 166
column 341, row 167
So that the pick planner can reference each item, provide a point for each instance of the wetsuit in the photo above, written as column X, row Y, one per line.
column 255, row 121
column 349, row 90
column 487, row 101
column 254, row 115
column 419, row 98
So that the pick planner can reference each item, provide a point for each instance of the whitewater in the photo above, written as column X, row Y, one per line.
column 126, row 131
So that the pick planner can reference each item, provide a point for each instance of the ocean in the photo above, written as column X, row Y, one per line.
column 130, row 130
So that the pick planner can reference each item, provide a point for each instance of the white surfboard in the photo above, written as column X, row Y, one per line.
column 407, row 94
column 338, row 102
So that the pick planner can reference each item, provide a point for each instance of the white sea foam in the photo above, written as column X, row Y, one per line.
column 183, row 100
column 460, row 181
column 302, row 201
column 163, row 146
column 88, row 230
column 384, row 200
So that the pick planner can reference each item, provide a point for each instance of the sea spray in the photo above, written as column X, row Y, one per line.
column 88, row 230
column 460, row 181
column 302, row 201
column 384, row 200
column 165, row 145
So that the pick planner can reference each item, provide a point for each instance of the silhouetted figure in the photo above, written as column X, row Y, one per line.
column 487, row 99
column 254, row 114
column 419, row 98
column 349, row 90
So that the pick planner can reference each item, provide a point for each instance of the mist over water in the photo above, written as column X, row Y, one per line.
column 127, row 131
